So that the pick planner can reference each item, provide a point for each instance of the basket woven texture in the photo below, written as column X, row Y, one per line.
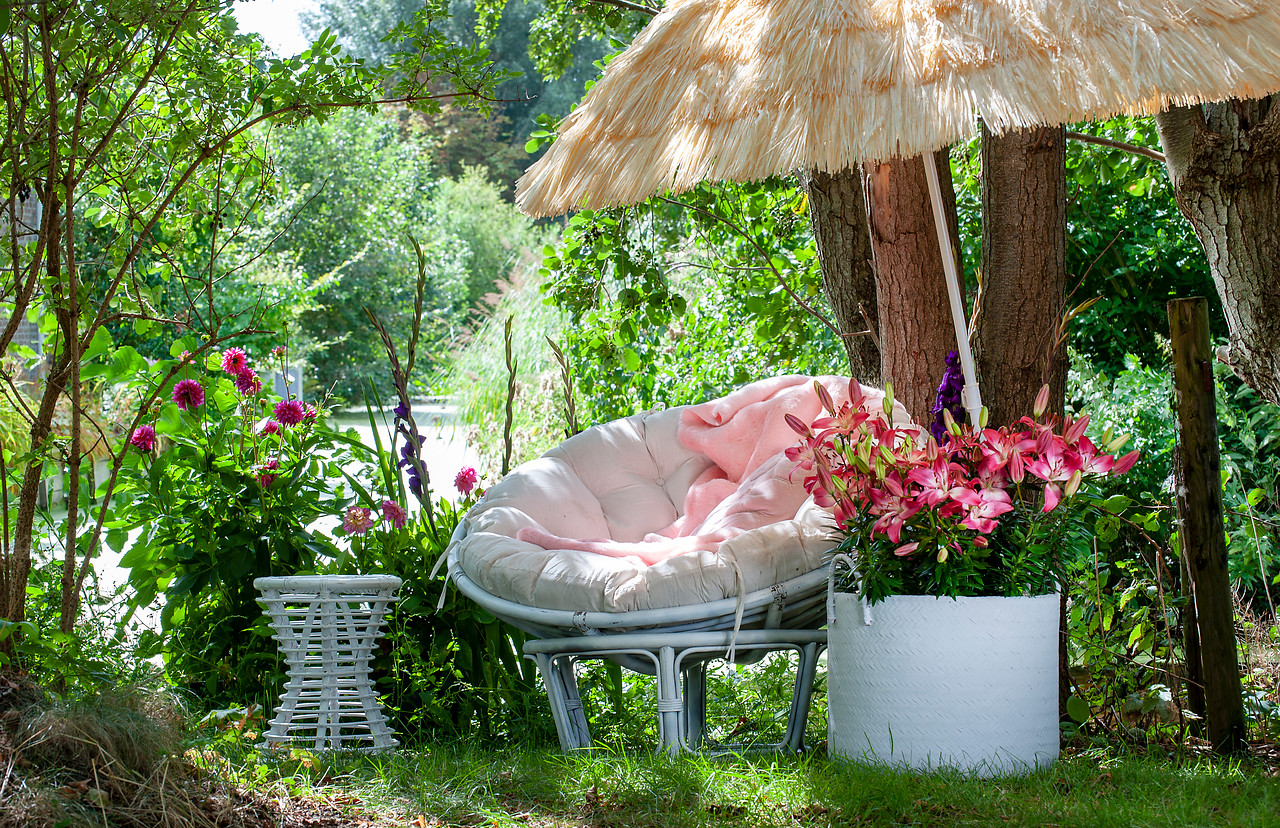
column 327, row 627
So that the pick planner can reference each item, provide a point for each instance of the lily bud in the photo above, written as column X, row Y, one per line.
column 824, row 397
column 942, row 555
column 889, row 459
column 1073, row 482
column 888, row 400
column 797, row 425
column 1115, row 445
column 1076, row 430
column 1042, row 402
column 906, row 548
column 856, row 396
column 983, row 416
column 1125, row 463
column 981, row 542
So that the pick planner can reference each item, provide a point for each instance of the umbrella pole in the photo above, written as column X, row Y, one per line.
column 971, row 396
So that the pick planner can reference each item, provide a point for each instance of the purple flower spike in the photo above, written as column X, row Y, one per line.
column 949, row 397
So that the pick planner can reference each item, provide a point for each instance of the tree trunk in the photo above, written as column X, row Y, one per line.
column 1017, row 343
column 915, row 320
column 838, row 215
column 1224, row 162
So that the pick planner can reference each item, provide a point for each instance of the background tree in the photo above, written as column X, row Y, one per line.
column 136, row 117
column 463, row 137
column 1224, row 162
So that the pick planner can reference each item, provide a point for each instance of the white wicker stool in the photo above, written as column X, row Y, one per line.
column 327, row 626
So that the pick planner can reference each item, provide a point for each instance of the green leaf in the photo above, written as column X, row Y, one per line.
column 1078, row 709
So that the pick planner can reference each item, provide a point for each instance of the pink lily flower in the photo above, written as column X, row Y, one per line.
column 894, row 506
column 1054, row 466
column 1095, row 462
column 1004, row 450
column 934, row 481
column 984, row 506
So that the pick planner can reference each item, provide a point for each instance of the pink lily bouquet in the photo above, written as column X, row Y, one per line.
column 979, row 511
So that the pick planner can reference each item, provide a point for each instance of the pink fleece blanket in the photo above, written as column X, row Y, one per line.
column 749, row 486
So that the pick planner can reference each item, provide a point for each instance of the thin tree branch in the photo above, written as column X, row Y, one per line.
column 1135, row 149
column 625, row 6
column 795, row 297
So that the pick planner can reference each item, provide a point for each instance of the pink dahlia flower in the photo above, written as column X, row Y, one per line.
column 143, row 438
column 265, row 479
column 290, row 412
column 234, row 360
column 394, row 514
column 465, row 481
column 248, row 382
column 357, row 520
column 188, row 394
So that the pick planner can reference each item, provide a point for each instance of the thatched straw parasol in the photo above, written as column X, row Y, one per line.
column 745, row 89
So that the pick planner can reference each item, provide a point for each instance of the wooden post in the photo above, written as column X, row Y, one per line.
column 1198, row 489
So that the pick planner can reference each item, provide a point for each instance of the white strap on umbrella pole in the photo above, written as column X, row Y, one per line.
column 971, row 396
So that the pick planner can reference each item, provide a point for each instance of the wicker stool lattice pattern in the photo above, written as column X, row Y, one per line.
column 327, row 627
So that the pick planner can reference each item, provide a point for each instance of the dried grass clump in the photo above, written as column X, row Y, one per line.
column 114, row 758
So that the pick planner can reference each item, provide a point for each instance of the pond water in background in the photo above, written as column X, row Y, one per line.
column 445, row 451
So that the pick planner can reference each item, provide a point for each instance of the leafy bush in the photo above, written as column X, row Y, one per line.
column 224, row 485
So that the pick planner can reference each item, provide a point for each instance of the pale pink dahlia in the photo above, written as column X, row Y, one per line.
column 357, row 520
column 394, row 513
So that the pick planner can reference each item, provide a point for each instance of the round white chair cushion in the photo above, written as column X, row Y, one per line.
column 621, row 481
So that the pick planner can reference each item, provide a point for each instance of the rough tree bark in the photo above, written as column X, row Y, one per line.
column 915, row 320
column 838, row 215
column 1017, row 339
column 1224, row 162
column 1017, row 342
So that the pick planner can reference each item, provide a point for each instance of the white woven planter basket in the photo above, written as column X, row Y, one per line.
column 926, row 683
column 327, row 626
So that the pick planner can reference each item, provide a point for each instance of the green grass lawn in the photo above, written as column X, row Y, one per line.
column 461, row 786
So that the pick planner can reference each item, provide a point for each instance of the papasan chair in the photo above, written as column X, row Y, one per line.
column 661, row 541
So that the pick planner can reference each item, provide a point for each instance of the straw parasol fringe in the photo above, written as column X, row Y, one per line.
column 745, row 89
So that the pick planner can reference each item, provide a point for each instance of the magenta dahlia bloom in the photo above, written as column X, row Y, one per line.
column 188, row 394
column 465, row 481
column 265, row 479
column 234, row 360
column 248, row 383
column 269, row 427
column 394, row 513
column 143, row 438
column 278, row 351
column 357, row 520
column 290, row 412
